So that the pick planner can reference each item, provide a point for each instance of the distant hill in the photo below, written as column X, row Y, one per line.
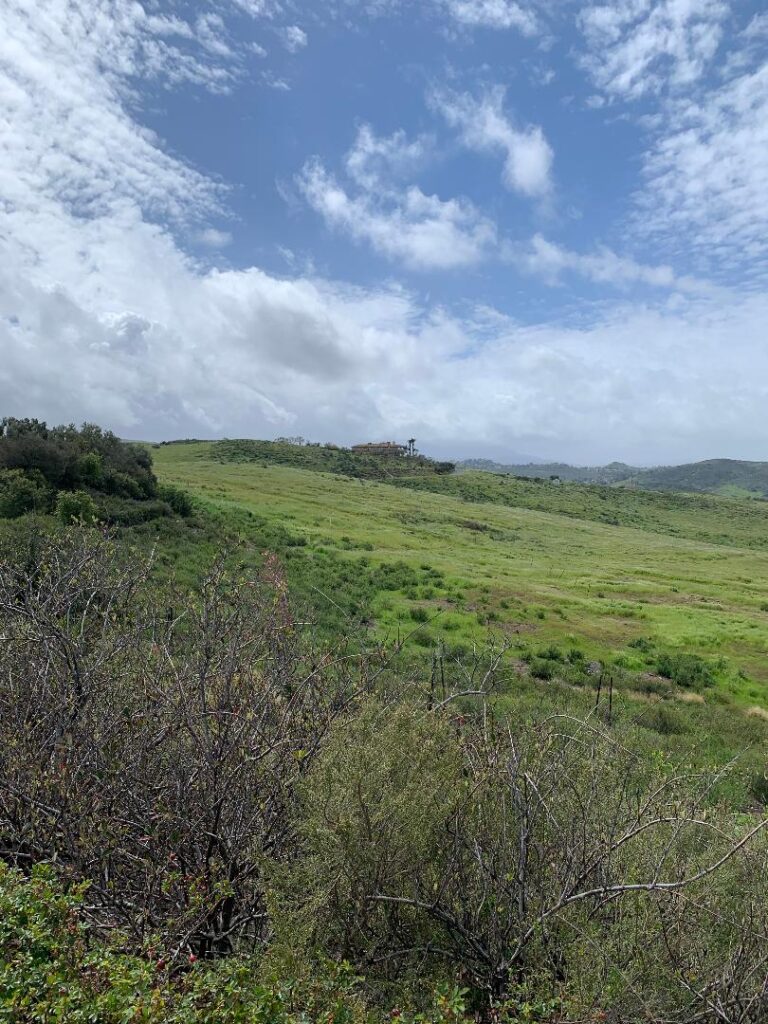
column 328, row 459
column 714, row 476
column 612, row 473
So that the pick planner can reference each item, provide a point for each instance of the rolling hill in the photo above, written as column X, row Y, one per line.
column 732, row 477
column 622, row 574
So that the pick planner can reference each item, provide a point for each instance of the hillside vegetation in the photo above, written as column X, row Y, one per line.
column 724, row 476
column 329, row 459
column 715, row 476
column 612, row 473
column 624, row 576
column 86, row 472
column 437, row 749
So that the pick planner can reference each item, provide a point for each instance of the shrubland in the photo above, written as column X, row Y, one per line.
column 231, row 791
column 81, row 472
column 208, row 813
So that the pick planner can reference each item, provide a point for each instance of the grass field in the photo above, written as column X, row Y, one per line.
column 620, row 593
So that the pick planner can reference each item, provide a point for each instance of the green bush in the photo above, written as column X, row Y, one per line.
column 664, row 720
column 686, row 670
column 180, row 501
column 76, row 506
column 419, row 614
column 22, row 492
column 52, row 969
column 542, row 668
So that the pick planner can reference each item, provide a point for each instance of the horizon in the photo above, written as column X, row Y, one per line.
column 509, row 227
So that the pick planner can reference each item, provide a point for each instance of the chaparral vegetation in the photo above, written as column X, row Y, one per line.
column 288, row 734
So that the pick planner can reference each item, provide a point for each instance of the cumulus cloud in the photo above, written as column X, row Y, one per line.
column 636, row 47
column 104, row 316
column 421, row 231
column 483, row 126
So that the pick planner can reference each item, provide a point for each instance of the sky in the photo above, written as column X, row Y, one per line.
column 508, row 228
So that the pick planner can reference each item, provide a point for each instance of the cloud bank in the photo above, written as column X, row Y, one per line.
column 104, row 316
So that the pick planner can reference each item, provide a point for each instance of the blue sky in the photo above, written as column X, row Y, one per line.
column 503, row 227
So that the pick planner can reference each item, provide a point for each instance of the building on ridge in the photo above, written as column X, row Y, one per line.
column 389, row 448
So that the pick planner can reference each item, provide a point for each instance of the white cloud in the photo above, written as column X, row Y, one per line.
column 549, row 261
column 374, row 158
column 423, row 232
column 484, row 127
column 642, row 46
column 501, row 15
column 103, row 316
column 294, row 38
column 498, row 14
column 706, row 176
column 213, row 238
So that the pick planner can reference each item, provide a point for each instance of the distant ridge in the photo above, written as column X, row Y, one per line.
column 713, row 476
column 615, row 472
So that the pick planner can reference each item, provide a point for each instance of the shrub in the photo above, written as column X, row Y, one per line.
column 21, row 493
column 542, row 668
column 686, row 670
column 76, row 506
column 181, row 502
column 664, row 720
column 419, row 614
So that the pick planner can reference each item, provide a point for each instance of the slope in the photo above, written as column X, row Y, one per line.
column 673, row 576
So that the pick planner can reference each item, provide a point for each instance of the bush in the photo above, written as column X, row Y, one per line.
column 180, row 501
column 21, row 493
column 664, row 720
column 76, row 506
column 419, row 614
column 542, row 668
column 686, row 670
column 52, row 969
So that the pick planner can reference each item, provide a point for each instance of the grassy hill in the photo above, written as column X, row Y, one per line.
column 730, row 477
column 723, row 476
column 280, row 811
column 612, row 473
column 324, row 458
column 623, row 576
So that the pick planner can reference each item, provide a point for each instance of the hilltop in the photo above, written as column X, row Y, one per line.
column 717, row 476
column 732, row 477
column 614, row 472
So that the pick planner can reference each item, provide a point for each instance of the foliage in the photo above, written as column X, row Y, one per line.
column 287, row 452
column 69, row 458
column 514, row 854
column 152, row 740
column 686, row 670
column 22, row 492
column 248, row 807
column 75, row 505
column 52, row 968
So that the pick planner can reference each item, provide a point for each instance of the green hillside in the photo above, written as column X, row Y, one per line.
column 612, row 473
column 353, row 745
column 725, row 476
column 624, row 576
column 731, row 477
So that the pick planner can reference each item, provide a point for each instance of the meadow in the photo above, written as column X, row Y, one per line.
column 623, row 577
